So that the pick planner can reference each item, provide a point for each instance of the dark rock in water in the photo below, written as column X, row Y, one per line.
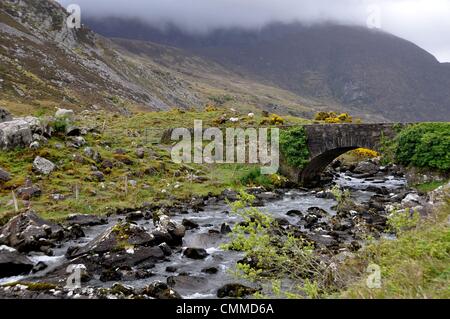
column 171, row 269
column 366, row 168
column 4, row 176
column 294, row 213
column 379, row 190
column 229, row 194
column 324, row 240
column 134, row 216
column 28, row 232
column 210, row 270
column 120, row 235
column 317, row 211
column 188, row 224
column 86, row 220
column 311, row 220
column 160, row 290
column 111, row 275
column 195, row 253
column 282, row 222
column 268, row 196
column 74, row 232
column 39, row 267
column 29, row 192
column 235, row 291
column 160, row 237
column 143, row 274
column 12, row 263
column 165, row 249
column 122, row 289
column 225, row 229
column 325, row 195
column 186, row 282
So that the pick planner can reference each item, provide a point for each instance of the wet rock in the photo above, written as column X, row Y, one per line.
column 170, row 230
column 4, row 176
column 189, row 225
column 5, row 116
column 229, row 194
column 210, row 270
column 171, row 269
column 283, row 222
column 267, row 196
column 115, row 238
column 186, row 282
column 43, row 166
column 235, row 291
column 165, row 249
column 160, row 290
column 12, row 263
column 118, row 288
column 325, row 195
column 317, row 211
column 39, row 267
column 15, row 134
column 28, row 232
column 134, row 216
column 225, row 229
column 86, row 220
column 110, row 275
column 195, row 253
column 294, row 213
column 366, row 168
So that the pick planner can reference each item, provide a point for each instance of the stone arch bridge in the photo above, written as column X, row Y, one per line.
column 326, row 142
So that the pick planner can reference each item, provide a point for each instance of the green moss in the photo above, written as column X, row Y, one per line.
column 294, row 147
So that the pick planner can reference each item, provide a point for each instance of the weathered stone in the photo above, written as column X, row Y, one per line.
column 28, row 232
column 195, row 253
column 14, row 134
column 188, row 224
column 12, row 263
column 43, row 166
column 29, row 192
column 160, row 290
column 235, row 291
column 86, row 220
column 191, row 283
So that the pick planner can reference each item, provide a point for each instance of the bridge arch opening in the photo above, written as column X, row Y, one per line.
column 311, row 174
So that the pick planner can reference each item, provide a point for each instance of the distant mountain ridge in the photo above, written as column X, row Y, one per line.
column 365, row 70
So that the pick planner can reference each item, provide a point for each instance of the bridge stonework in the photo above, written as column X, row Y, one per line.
column 326, row 142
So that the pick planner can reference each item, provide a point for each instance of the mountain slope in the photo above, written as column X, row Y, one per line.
column 44, row 64
column 371, row 71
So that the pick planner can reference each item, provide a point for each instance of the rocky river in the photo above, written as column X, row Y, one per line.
column 128, row 254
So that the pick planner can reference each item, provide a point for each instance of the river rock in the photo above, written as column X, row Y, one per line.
column 366, row 168
column 5, row 116
column 86, row 220
column 43, row 166
column 189, row 225
column 12, row 263
column 294, row 213
column 210, row 270
column 411, row 200
column 235, row 291
column 15, row 134
column 116, row 238
column 186, row 282
column 195, row 253
column 28, row 232
column 225, row 229
column 160, row 290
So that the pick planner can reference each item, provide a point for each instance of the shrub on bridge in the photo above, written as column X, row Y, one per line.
column 425, row 145
column 294, row 147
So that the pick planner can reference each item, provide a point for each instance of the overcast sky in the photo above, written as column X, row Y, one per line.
column 424, row 22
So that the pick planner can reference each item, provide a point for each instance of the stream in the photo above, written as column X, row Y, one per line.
column 194, row 282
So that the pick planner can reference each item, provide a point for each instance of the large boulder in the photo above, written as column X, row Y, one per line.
column 5, row 116
column 12, row 263
column 14, row 134
column 368, row 168
column 28, row 232
column 43, row 166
